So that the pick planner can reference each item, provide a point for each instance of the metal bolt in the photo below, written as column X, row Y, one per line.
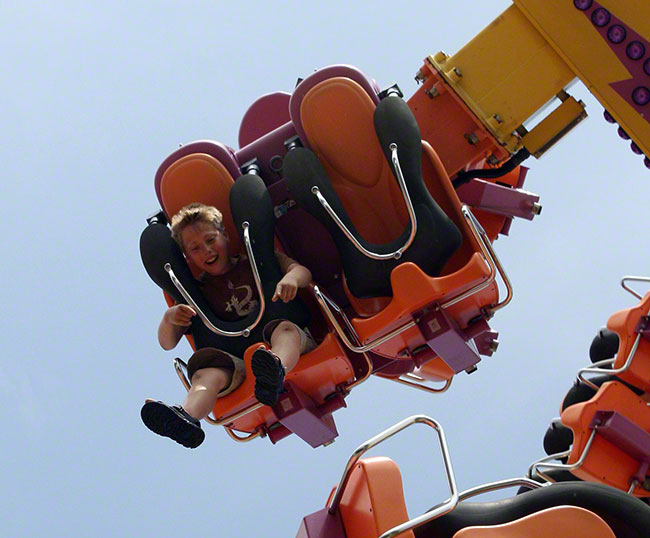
column 494, row 345
column 329, row 442
column 472, row 369
column 433, row 92
column 537, row 208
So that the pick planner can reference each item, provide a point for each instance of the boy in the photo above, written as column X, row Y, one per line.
column 227, row 283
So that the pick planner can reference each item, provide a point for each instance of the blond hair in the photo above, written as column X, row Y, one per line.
column 193, row 213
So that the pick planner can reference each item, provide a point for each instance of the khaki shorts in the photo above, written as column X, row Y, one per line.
column 210, row 357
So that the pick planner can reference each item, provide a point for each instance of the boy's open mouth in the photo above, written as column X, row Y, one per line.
column 212, row 260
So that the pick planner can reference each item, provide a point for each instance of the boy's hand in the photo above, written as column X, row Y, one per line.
column 180, row 314
column 286, row 289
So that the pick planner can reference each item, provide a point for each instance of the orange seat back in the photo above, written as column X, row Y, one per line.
column 199, row 177
column 624, row 323
column 557, row 521
column 605, row 462
column 373, row 499
column 337, row 117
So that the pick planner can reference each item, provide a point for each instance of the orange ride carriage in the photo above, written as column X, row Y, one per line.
column 604, row 434
column 433, row 325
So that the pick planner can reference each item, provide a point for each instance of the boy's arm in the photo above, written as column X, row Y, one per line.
column 295, row 276
column 174, row 324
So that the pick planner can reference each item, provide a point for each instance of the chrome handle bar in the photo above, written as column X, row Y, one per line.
column 634, row 279
column 445, row 507
column 409, row 207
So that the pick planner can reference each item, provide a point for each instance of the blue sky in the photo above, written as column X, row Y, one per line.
column 95, row 96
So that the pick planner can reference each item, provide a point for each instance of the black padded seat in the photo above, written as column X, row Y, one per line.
column 627, row 516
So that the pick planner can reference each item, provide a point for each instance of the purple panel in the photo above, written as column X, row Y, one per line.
column 223, row 154
column 322, row 524
column 315, row 249
column 269, row 150
column 446, row 339
column 623, row 433
column 266, row 114
column 319, row 76
column 629, row 46
column 299, row 413
column 498, row 199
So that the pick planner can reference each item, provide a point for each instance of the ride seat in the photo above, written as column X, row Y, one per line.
column 202, row 172
column 618, row 453
column 373, row 500
column 336, row 117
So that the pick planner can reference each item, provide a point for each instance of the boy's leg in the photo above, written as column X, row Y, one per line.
column 285, row 343
column 182, row 423
column 269, row 366
column 206, row 385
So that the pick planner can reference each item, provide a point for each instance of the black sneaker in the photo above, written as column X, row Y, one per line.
column 172, row 422
column 269, row 376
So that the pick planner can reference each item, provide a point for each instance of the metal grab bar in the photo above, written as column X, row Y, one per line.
column 635, row 279
column 501, row 484
column 323, row 302
column 534, row 468
column 258, row 283
column 417, row 382
column 489, row 252
column 440, row 510
column 409, row 207
column 595, row 370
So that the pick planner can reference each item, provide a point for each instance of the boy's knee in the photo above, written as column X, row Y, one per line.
column 285, row 327
column 212, row 378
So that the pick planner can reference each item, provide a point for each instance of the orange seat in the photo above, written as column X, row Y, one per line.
column 625, row 323
column 325, row 371
column 373, row 500
column 608, row 462
column 557, row 521
column 374, row 203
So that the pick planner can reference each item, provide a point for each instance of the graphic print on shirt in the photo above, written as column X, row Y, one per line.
column 241, row 305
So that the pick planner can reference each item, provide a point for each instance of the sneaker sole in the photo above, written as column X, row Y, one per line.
column 161, row 419
column 268, row 379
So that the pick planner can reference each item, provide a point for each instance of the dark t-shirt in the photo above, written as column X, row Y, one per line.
column 233, row 295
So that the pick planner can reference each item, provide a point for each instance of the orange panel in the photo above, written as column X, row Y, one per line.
column 373, row 499
column 605, row 462
column 624, row 323
column 557, row 521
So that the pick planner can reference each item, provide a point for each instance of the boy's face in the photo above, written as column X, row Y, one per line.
column 206, row 247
